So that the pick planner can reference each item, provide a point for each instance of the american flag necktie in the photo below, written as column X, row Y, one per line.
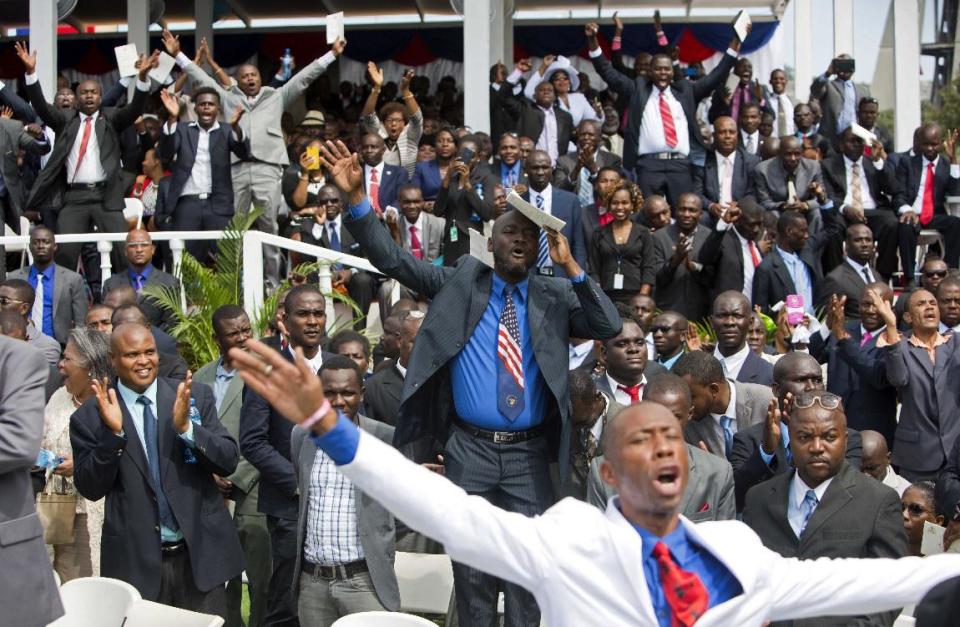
column 510, row 382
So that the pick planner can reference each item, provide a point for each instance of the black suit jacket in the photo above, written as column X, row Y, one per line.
column 636, row 91
column 721, row 253
column 844, row 281
column 909, row 171
column 14, row 138
column 772, row 281
column 530, row 118
column 115, row 467
column 858, row 517
column 157, row 315
column 706, row 183
column 348, row 245
column 182, row 144
column 678, row 289
column 66, row 124
column 460, row 295
column 755, row 369
column 882, row 183
column 382, row 394
column 718, row 107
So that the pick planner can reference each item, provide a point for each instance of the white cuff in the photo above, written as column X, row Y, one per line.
column 183, row 60
column 596, row 53
column 904, row 209
column 955, row 171
column 169, row 128
column 125, row 80
column 723, row 225
column 514, row 76
column 30, row 79
column 143, row 85
column 824, row 332
column 879, row 164
column 733, row 53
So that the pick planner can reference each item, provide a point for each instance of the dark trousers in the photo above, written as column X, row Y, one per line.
column 178, row 589
column 255, row 541
column 665, row 177
column 82, row 210
column 281, row 610
column 515, row 477
column 948, row 226
column 194, row 214
column 886, row 233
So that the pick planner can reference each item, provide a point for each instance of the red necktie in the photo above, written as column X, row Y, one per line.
column 633, row 391
column 374, row 191
column 415, row 247
column 926, row 213
column 606, row 219
column 686, row 595
column 669, row 130
column 754, row 253
column 87, row 126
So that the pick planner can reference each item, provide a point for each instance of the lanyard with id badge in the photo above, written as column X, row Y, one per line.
column 618, row 277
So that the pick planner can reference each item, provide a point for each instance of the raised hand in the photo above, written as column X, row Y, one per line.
column 203, row 52
column 771, row 428
column 617, row 23
column 147, row 63
column 376, row 74
column 344, row 169
column 877, row 153
column 731, row 215
column 524, row 65
column 836, row 317
column 237, row 114
column 34, row 130
column 883, row 308
column 405, row 81
column 591, row 30
column 6, row 113
column 657, row 21
column 692, row 338
column 171, row 104
column 950, row 144
column 181, row 405
column 171, row 43
column 29, row 60
column 110, row 413
column 338, row 47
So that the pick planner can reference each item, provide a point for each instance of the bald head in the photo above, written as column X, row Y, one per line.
column 876, row 455
column 627, row 421
column 120, row 296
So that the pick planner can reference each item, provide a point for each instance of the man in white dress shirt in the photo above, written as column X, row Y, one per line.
column 780, row 104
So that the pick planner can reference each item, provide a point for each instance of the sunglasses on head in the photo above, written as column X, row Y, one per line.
column 826, row 400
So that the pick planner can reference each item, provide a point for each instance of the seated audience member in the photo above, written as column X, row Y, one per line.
column 147, row 187
column 762, row 450
column 851, row 276
column 301, row 184
column 813, row 145
column 791, row 182
column 382, row 181
column 413, row 229
column 124, row 294
column 948, row 301
column 749, row 123
column 621, row 254
column 590, row 410
column 669, row 331
column 731, row 316
column 558, row 203
column 429, row 175
column 926, row 179
column 767, row 121
column 731, row 252
column 16, row 296
column 596, row 215
column 354, row 345
column 919, row 366
column 139, row 250
column 721, row 406
column 827, row 507
column 627, row 367
column 400, row 126
column 917, row 504
column 681, row 280
column 876, row 461
column 540, row 118
column 171, row 364
column 344, row 562
column 856, row 369
column 727, row 173
column 577, row 171
column 507, row 165
column 384, row 388
column 98, row 318
column 642, row 308
column 708, row 494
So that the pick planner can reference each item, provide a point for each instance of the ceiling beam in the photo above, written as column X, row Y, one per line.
column 239, row 11
column 328, row 5
column 419, row 6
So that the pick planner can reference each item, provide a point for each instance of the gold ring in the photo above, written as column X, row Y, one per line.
column 267, row 370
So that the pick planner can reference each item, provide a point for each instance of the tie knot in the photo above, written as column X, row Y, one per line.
column 632, row 389
column 726, row 421
column 661, row 552
column 413, row 229
column 811, row 498
column 143, row 400
column 507, row 289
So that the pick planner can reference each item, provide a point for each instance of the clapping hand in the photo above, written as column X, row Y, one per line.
column 950, row 144
column 237, row 114
column 203, row 52
column 405, row 81
column 883, row 308
column 147, row 63
column 29, row 60
column 692, row 338
column 181, row 405
column 110, row 413
column 344, row 169
column 376, row 74
column 836, row 317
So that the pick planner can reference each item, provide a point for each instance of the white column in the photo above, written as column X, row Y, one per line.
column 476, row 64
column 496, row 33
column 842, row 27
column 803, row 69
column 203, row 15
column 138, row 25
column 508, row 39
column 906, row 71
column 43, row 39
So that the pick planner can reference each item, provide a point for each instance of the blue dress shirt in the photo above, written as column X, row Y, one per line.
column 48, row 287
column 145, row 276
column 509, row 175
column 222, row 382
column 719, row 582
column 785, row 438
column 669, row 363
column 802, row 280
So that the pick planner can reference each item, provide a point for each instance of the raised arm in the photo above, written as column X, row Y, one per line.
column 302, row 79
column 125, row 116
column 192, row 70
column 619, row 83
column 51, row 117
column 21, row 108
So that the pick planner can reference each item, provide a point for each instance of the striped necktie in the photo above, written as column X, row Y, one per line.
column 543, row 254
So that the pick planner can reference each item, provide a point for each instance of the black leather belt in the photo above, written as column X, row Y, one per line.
column 97, row 185
column 173, row 548
column 341, row 571
column 197, row 196
column 663, row 155
column 500, row 437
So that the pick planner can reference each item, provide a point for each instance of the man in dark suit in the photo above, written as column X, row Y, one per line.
column 507, row 166
column 139, row 250
column 731, row 317
column 727, row 174
column 577, row 171
column 794, row 265
column 732, row 252
column 626, row 367
column 839, row 97
column 558, row 203
column 868, row 110
column 383, row 390
column 669, row 145
column 488, row 422
column 827, row 508
column 344, row 560
column 682, row 282
column 28, row 590
column 92, row 191
column 265, row 443
column 501, row 122
column 851, row 277
column 543, row 121
column 378, row 176
column 748, row 91
column 762, row 450
column 14, row 137
column 856, row 369
column 926, row 179
column 813, row 145
column 170, row 364
column 869, row 202
column 151, row 447
column 200, row 193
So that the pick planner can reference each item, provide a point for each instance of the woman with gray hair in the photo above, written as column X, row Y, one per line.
column 85, row 357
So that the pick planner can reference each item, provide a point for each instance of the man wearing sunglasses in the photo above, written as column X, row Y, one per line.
column 139, row 250
column 826, row 507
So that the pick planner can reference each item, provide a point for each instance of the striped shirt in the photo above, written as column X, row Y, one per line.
column 333, row 536
column 404, row 154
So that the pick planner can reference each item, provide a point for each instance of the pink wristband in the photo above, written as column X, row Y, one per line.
column 616, row 43
column 316, row 416
column 662, row 38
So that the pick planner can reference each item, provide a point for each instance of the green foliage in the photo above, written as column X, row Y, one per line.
column 946, row 114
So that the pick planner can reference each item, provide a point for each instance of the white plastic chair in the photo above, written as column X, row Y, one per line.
column 905, row 621
column 133, row 210
column 953, row 205
column 924, row 240
column 96, row 602
column 425, row 581
column 149, row 614
column 383, row 619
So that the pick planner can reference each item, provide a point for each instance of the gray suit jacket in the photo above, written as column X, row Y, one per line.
column 261, row 122
column 752, row 400
column 70, row 302
column 563, row 174
column 158, row 316
column 13, row 137
column 25, row 572
column 431, row 237
column 245, row 478
column 708, row 495
column 770, row 180
column 377, row 527
column 830, row 95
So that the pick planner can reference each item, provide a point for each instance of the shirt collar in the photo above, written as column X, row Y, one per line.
column 877, row 333
column 848, row 163
column 799, row 488
column 213, row 127
column 668, row 363
column 732, row 157
column 614, row 384
column 335, row 221
column 95, row 116
column 856, row 266
column 935, row 161
column 400, row 369
column 677, row 541
column 47, row 274
column 519, row 288
column 315, row 363
column 416, row 224
column 790, row 258
column 145, row 273
column 130, row 397
column 223, row 373
column 580, row 350
column 546, row 192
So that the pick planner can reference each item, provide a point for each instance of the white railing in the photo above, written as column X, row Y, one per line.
column 253, row 242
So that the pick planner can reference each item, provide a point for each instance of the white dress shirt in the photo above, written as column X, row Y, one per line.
column 619, row 395
column 315, row 363
column 859, row 270
column 733, row 363
column 201, row 175
column 746, row 257
column 547, row 194
column 917, row 206
column 865, row 196
column 750, row 142
column 652, row 139
column 731, row 411
column 578, row 353
column 895, row 481
column 367, row 169
column 798, row 491
column 547, row 141
column 725, row 168
column 774, row 101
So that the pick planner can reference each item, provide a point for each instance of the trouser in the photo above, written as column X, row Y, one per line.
column 665, row 177
column 884, row 225
column 256, row 183
column 514, row 477
column 73, row 560
column 82, row 210
column 178, row 589
column 255, row 542
column 322, row 601
column 948, row 226
column 195, row 213
column 281, row 610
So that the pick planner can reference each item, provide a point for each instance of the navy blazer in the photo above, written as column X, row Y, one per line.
column 755, row 369
column 427, row 177
column 566, row 206
column 391, row 180
column 182, row 145
column 909, row 170
column 707, row 185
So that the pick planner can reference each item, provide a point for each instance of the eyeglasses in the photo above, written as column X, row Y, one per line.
column 328, row 201
column 935, row 273
column 826, row 400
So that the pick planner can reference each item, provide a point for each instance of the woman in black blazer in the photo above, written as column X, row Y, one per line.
column 621, row 257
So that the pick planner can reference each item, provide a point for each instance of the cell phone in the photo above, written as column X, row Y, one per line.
column 314, row 153
column 844, row 65
column 795, row 312
column 466, row 155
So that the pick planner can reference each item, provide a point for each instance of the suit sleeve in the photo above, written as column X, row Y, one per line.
column 948, row 484
column 761, row 289
column 762, row 189
column 122, row 118
column 78, row 301
column 562, row 176
column 21, row 406
column 578, row 245
column 703, row 87
column 256, row 448
column 51, row 117
column 302, row 79
column 169, row 143
column 896, row 361
column 818, row 88
column 618, row 82
column 297, row 436
column 869, row 365
column 749, row 469
column 28, row 143
column 113, row 95
column 727, row 503
column 96, row 452
column 213, row 445
column 596, row 492
column 592, row 313
column 240, row 148
column 21, row 108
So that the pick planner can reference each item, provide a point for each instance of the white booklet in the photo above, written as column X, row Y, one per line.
column 537, row 216
column 127, row 59
column 478, row 247
column 867, row 137
column 740, row 25
column 162, row 71
column 335, row 27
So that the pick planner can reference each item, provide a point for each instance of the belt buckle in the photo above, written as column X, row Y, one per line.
column 203, row 196
column 502, row 437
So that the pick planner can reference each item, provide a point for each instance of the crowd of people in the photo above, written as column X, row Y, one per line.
column 732, row 324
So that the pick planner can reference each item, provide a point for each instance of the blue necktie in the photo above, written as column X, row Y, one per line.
column 334, row 238
column 153, row 460
column 809, row 505
column 543, row 254
column 727, row 423
column 510, row 381
column 848, row 113
column 585, row 192
column 140, row 281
